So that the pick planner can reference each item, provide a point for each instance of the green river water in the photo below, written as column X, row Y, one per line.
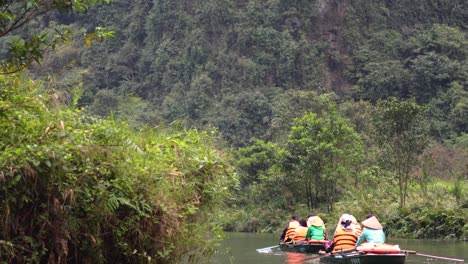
column 242, row 248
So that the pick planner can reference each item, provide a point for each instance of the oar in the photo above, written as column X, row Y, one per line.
column 430, row 256
column 267, row 248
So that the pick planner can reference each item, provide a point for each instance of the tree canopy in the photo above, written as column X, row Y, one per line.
column 322, row 151
column 399, row 130
column 29, row 47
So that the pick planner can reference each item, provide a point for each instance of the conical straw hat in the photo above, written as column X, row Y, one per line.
column 315, row 221
column 372, row 222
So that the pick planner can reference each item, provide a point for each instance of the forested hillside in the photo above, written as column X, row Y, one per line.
column 323, row 106
column 228, row 63
column 249, row 68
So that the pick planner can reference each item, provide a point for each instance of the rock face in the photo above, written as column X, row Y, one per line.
column 331, row 16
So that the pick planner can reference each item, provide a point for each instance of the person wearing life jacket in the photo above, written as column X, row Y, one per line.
column 372, row 233
column 316, row 230
column 301, row 231
column 354, row 224
column 289, row 232
column 345, row 236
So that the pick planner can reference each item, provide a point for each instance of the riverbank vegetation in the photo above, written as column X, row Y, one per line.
column 196, row 116
column 79, row 189
column 435, row 189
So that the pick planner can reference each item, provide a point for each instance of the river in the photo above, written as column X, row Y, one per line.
column 242, row 248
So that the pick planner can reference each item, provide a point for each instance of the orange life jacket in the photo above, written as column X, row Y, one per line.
column 301, row 233
column 344, row 240
column 291, row 231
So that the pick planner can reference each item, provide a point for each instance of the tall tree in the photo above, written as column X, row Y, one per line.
column 400, row 133
column 255, row 160
column 322, row 151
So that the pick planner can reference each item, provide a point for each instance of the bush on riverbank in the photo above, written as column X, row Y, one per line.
column 76, row 189
column 428, row 223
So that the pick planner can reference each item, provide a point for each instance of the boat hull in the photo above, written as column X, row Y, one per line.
column 302, row 247
column 363, row 258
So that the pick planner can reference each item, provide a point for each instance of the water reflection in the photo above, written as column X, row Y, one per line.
column 295, row 258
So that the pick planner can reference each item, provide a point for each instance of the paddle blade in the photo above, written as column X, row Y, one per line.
column 266, row 249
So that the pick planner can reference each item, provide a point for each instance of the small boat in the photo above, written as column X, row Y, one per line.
column 312, row 246
column 368, row 253
column 356, row 257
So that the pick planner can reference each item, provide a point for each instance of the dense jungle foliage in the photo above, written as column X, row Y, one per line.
column 194, row 115
column 79, row 189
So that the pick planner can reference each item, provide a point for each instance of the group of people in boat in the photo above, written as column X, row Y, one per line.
column 302, row 230
column 348, row 235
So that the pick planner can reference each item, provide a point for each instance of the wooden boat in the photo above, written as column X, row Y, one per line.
column 356, row 257
column 368, row 253
column 313, row 246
